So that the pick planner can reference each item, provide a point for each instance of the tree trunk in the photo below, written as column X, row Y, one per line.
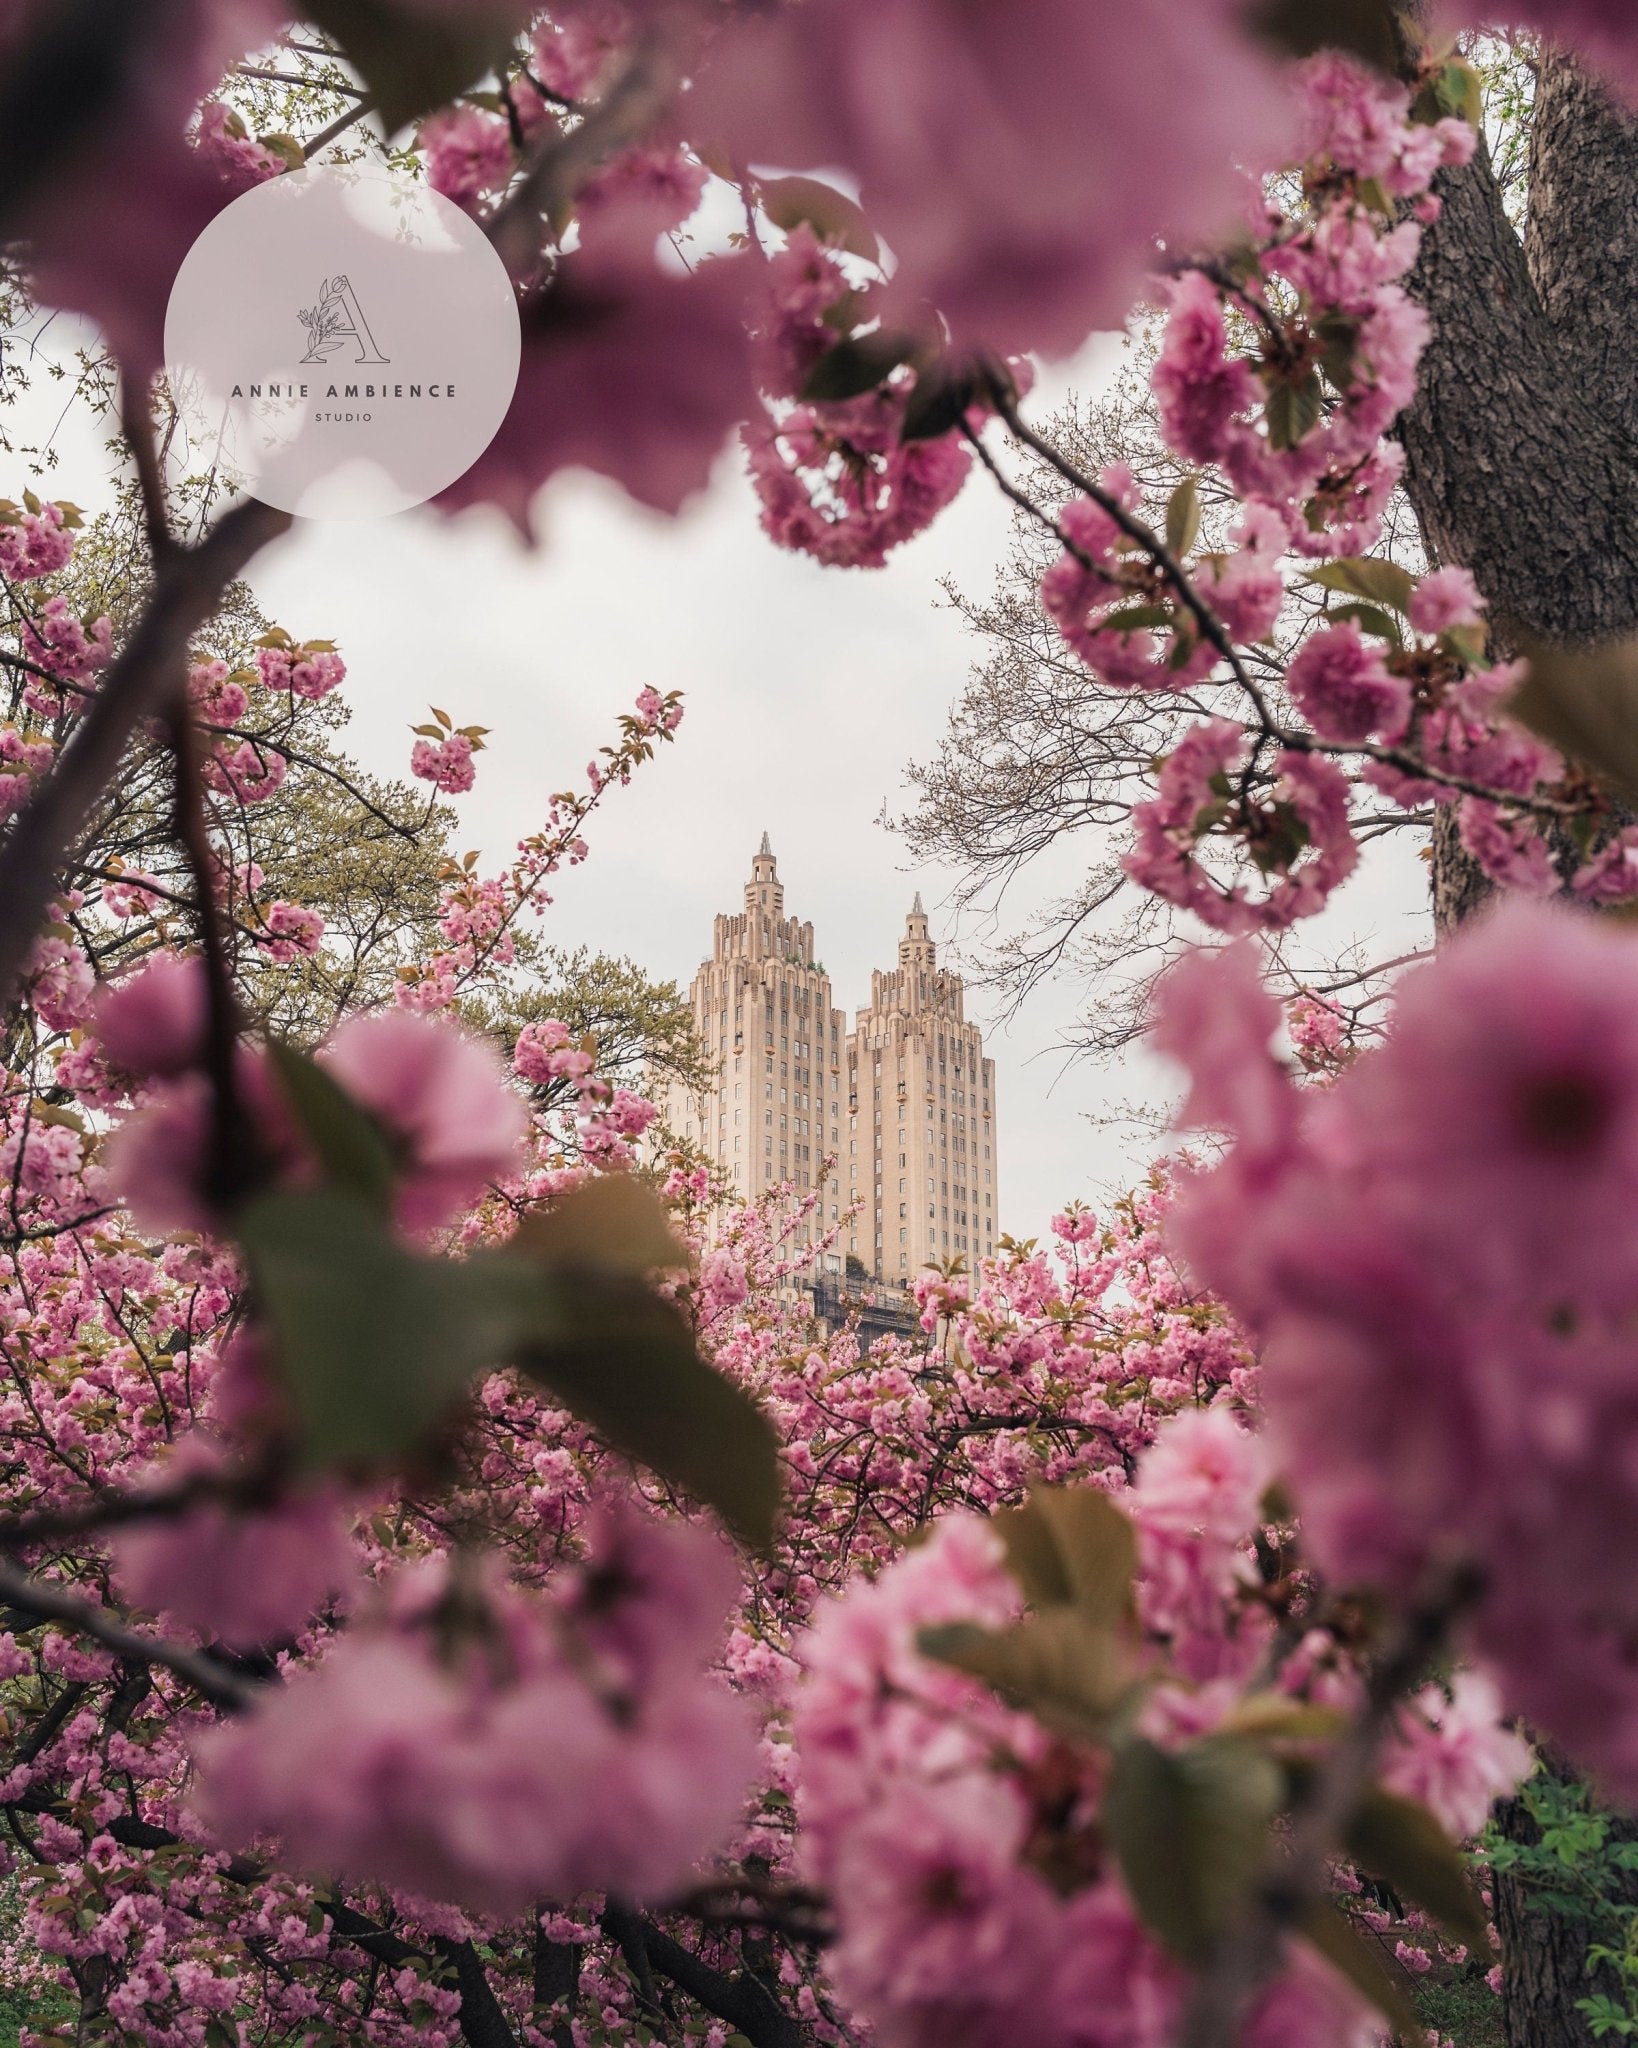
column 1522, row 449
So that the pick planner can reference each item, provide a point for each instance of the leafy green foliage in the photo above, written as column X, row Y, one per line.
column 1293, row 409
column 1400, row 1842
column 378, row 1343
column 1379, row 582
column 942, row 395
column 1074, row 1554
column 351, row 1145
column 831, row 214
column 1585, row 701
column 1183, row 516
column 1071, row 1546
column 591, row 1331
column 410, row 60
column 1068, row 1674
column 375, row 1343
column 1191, row 1830
column 1369, row 618
column 1578, row 1866
column 857, row 365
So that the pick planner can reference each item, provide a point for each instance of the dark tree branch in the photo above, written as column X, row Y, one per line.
column 51, row 1601
column 744, row 2001
column 188, row 586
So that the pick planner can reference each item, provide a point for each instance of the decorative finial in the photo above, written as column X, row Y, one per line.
column 915, row 908
column 765, row 850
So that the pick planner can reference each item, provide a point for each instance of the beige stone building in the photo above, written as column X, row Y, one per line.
column 904, row 1102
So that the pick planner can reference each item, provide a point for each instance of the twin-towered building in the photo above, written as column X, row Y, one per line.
column 903, row 1102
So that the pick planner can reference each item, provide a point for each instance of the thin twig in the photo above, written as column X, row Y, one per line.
column 564, row 162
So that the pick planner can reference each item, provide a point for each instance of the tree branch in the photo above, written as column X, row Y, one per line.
column 52, row 1601
column 188, row 586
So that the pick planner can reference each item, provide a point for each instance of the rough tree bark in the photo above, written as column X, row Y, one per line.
column 1522, row 451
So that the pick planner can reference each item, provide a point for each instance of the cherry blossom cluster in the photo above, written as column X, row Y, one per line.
column 1428, row 1256
column 471, row 1744
column 979, row 1896
column 1281, row 371
column 478, row 915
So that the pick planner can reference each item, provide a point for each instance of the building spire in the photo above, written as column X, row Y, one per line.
column 915, row 908
column 765, row 850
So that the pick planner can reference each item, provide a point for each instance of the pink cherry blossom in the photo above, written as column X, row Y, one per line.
column 444, row 1101
column 1440, row 1290
column 628, row 370
column 35, row 544
column 241, row 1577
column 447, row 764
column 232, row 152
column 1199, row 388
column 153, row 1021
column 1213, row 1014
column 1445, row 598
column 1343, row 687
column 1299, row 833
column 1022, row 200
column 1454, row 1753
column 468, row 152
column 492, row 1777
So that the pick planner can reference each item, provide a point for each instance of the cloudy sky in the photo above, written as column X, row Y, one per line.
column 808, row 692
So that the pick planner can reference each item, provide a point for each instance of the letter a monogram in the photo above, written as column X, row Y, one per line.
column 338, row 318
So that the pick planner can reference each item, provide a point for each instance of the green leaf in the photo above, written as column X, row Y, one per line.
column 1369, row 576
column 375, row 1345
column 1400, row 1842
column 1584, row 700
column 1293, row 410
column 939, row 401
column 1183, row 516
column 1365, row 28
column 623, row 1360
column 1277, row 1717
column 1093, row 1548
column 1191, row 1831
column 1137, row 618
column 1455, row 88
column 614, row 1225
column 286, row 146
column 856, row 366
column 1063, row 1668
column 832, row 216
column 1338, row 336
column 351, row 1145
column 1369, row 618
column 410, row 59
column 1328, row 1929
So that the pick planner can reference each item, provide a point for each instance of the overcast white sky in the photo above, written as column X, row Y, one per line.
column 808, row 692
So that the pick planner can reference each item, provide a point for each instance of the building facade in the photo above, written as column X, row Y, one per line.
column 903, row 1102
